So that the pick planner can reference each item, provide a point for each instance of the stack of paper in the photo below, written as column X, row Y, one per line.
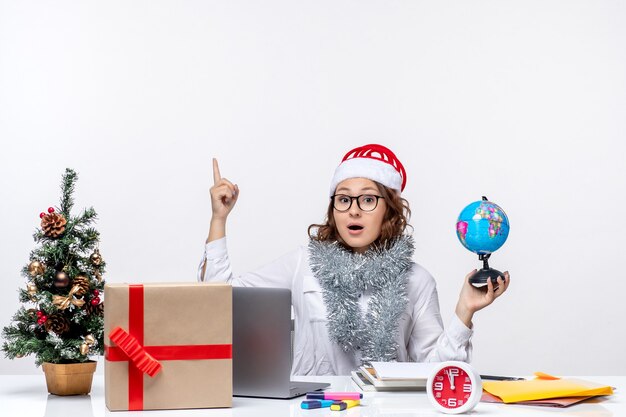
column 393, row 376
column 361, row 381
column 543, row 390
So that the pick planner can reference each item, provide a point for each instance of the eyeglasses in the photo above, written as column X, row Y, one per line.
column 366, row 202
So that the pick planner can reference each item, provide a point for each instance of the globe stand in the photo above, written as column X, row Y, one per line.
column 479, row 279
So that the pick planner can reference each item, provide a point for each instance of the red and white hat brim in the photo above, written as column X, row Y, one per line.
column 369, row 168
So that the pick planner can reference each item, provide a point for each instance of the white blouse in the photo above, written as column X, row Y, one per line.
column 421, row 336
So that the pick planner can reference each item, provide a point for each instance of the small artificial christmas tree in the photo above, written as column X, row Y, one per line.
column 64, row 285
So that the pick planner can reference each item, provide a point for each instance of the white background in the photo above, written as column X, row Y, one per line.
column 523, row 102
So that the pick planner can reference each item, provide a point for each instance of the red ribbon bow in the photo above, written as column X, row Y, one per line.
column 135, row 352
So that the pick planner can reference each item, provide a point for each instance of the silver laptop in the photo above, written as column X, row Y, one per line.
column 262, row 345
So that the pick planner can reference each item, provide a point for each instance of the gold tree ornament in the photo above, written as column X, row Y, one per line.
column 64, row 302
column 89, row 341
column 96, row 258
column 31, row 289
column 36, row 268
column 53, row 225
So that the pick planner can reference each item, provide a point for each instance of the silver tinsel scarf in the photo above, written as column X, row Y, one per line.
column 343, row 275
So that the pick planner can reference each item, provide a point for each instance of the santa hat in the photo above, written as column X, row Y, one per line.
column 374, row 162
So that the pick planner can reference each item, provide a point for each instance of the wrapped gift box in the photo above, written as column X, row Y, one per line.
column 168, row 346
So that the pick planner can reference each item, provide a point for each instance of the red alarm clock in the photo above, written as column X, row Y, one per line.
column 454, row 387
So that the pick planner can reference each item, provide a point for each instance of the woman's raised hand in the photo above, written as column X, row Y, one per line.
column 473, row 299
column 224, row 195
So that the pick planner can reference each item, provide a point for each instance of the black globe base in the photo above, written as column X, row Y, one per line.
column 479, row 279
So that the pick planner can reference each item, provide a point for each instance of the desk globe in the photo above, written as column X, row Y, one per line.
column 483, row 227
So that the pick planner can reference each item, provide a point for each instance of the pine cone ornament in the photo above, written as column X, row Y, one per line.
column 57, row 323
column 83, row 284
column 32, row 314
column 94, row 310
column 53, row 225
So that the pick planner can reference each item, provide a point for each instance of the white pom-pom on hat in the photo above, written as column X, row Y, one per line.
column 374, row 162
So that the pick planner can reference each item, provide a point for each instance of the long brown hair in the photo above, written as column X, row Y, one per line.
column 395, row 221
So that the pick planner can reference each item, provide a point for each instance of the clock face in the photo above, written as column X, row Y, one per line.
column 452, row 387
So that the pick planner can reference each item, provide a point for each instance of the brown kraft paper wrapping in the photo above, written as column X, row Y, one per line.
column 174, row 315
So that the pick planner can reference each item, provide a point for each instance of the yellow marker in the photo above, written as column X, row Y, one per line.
column 344, row 404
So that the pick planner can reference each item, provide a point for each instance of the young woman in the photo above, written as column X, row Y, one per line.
column 356, row 293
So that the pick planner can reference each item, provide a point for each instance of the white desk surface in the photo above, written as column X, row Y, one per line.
column 26, row 395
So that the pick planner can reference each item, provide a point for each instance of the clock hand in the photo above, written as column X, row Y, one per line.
column 451, row 379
